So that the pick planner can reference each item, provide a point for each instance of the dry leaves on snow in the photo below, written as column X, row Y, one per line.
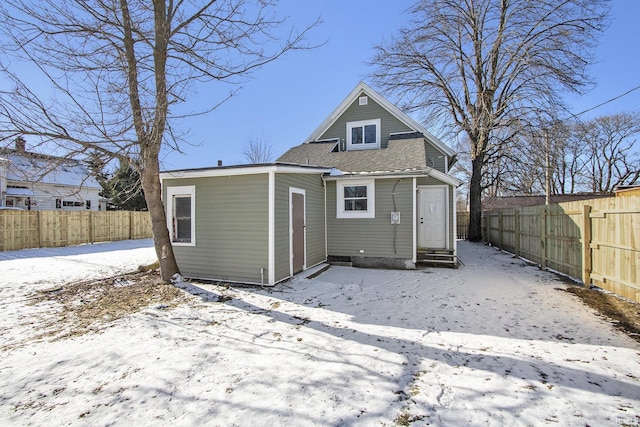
column 90, row 305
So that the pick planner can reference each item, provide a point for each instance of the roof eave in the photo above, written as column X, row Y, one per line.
column 441, row 176
column 278, row 167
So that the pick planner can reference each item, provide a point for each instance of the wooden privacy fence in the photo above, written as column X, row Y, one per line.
column 462, row 225
column 48, row 229
column 596, row 241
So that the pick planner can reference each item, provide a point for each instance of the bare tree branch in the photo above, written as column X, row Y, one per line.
column 258, row 150
column 479, row 66
column 120, row 68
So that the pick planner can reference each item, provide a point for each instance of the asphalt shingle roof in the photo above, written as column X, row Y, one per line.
column 400, row 155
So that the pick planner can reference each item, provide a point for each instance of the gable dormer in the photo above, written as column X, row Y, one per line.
column 368, row 133
column 362, row 124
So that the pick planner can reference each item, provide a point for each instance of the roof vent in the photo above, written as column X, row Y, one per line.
column 363, row 100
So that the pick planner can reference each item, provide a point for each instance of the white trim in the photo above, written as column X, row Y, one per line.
column 414, row 259
column 241, row 170
column 371, row 199
column 395, row 111
column 455, row 222
column 440, row 176
column 272, row 228
column 293, row 190
column 183, row 190
column 361, row 124
column 324, row 208
column 447, row 207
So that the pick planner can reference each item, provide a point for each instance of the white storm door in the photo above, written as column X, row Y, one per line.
column 433, row 217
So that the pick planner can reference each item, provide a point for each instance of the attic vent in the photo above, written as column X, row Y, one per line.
column 363, row 100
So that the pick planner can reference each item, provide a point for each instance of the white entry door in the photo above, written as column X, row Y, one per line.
column 433, row 217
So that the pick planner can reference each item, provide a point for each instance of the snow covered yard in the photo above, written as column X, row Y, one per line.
column 491, row 343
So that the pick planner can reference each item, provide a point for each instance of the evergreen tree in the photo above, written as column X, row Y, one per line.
column 123, row 189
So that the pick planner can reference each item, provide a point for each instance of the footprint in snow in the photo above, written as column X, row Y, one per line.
column 450, row 360
column 445, row 398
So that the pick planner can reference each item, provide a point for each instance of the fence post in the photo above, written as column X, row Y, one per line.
column 92, row 236
column 39, row 228
column 516, row 236
column 586, row 245
column 131, row 233
column 500, row 227
column 543, row 238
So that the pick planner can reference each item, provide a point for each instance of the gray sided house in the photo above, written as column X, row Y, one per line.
column 370, row 186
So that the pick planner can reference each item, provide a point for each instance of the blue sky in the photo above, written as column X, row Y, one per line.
column 288, row 99
column 285, row 101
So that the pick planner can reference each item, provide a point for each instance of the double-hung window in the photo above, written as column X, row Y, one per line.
column 355, row 199
column 363, row 135
column 181, row 203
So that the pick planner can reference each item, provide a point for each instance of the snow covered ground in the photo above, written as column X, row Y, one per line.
column 491, row 343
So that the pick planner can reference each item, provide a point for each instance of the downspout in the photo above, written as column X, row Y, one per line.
column 455, row 223
column 415, row 221
column 272, row 227
column 326, row 241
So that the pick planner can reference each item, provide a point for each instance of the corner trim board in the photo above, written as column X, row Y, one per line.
column 272, row 228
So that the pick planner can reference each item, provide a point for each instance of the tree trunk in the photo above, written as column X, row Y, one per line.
column 149, row 175
column 475, row 200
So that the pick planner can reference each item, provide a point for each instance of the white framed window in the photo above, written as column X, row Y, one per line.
column 181, row 215
column 363, row 134
column 355, row 199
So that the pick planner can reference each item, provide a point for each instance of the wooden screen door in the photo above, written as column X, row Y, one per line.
column 297, row 232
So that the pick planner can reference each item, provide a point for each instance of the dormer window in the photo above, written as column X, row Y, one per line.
column 363, row 135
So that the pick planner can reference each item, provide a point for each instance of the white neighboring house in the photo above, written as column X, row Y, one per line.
column 34, row 181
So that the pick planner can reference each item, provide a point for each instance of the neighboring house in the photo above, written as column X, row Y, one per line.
column 370, row 186
column 34, row 181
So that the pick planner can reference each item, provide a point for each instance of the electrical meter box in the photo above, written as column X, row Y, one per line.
column 395, row 217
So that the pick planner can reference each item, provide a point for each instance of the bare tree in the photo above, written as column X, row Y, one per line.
column 545, row 154
column 258, row 150
column 486, row 65
column 119, row 70
column 596, row 155
column 511, row 170
column 608, row 147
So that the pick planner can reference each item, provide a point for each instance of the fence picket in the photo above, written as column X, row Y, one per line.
column 33, row 229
